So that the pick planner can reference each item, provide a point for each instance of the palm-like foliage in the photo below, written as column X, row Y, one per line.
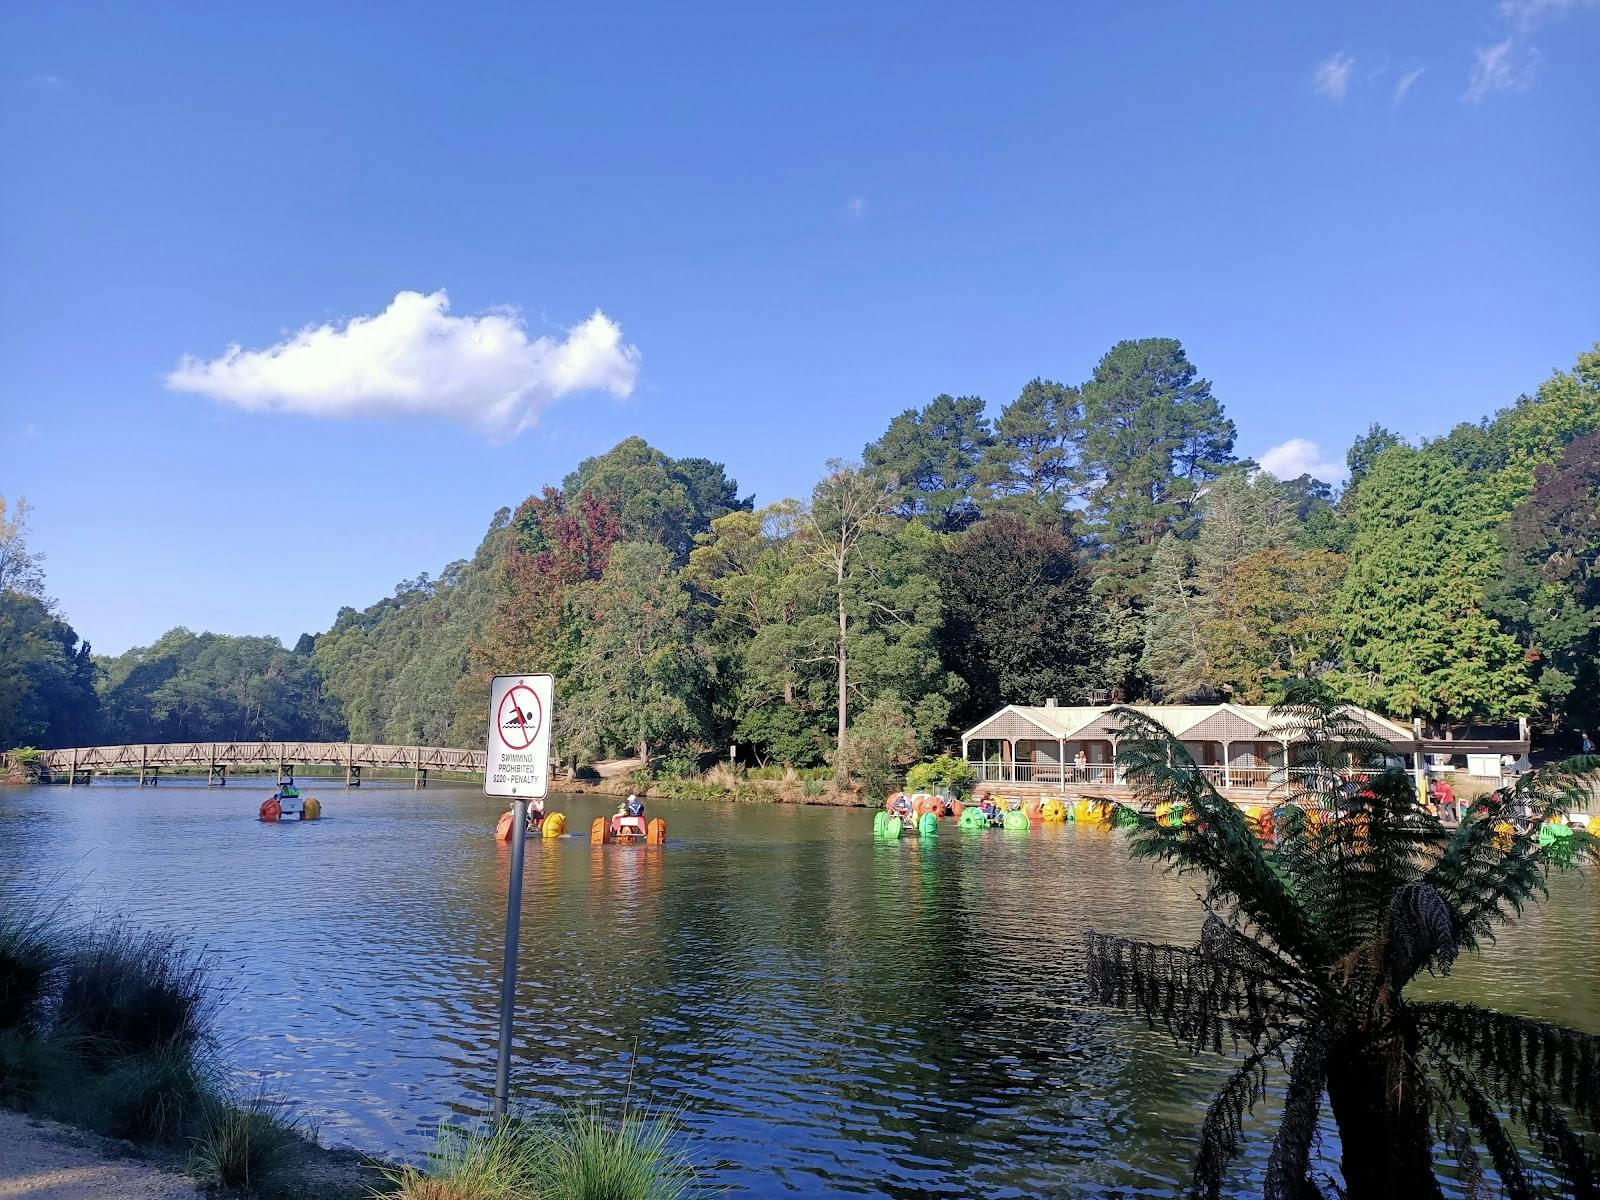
column 1304, row 956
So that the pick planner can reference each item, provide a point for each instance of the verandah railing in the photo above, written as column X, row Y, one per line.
column 1049, row 774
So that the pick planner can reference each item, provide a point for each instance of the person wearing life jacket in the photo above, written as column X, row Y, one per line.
column 900, row 806
column 631, row 807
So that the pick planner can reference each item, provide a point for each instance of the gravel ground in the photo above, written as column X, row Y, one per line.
column 41, row 1160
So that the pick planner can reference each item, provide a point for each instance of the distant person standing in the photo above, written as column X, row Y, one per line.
column 1588, row 743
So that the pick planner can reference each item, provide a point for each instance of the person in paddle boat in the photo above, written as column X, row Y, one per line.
column 900, row 806
column 535, row 814
column 631, row 807
column 288, row 798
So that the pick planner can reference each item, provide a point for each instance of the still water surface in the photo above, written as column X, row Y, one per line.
column 832, row 1016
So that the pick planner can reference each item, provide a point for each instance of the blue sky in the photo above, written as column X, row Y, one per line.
column 795, row 221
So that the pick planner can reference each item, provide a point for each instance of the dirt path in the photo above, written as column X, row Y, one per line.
column 40, row 1160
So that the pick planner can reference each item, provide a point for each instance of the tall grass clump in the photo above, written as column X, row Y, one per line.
column 31, row 948
column 127, row 994
column 636, row 1157
column 28, row 1064
column 152, row 1096
column 499, row 1161
column 238, row 1143
column 576, row 1154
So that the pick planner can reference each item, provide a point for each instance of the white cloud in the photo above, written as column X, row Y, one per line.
column 1301, row 456
column 1510, row 65
column 1405, row 83
column 1529, row 14
column 1503, row 67
column 856, row 207
column 1332, row 76
column 415, row 359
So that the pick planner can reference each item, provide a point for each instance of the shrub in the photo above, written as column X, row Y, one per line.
column 30, row 949
column 678, row 765
column 586, row 773
column 880, row 745
column 813, row 787
column 238, row 1143
column 127, row 994
column 945, row 773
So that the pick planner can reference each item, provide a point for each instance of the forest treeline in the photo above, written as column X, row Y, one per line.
column 1096, row 539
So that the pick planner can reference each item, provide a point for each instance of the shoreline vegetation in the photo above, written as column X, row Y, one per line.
column 111, row 1030
column 1103, row 539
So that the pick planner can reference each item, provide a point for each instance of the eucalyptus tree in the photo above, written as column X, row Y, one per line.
column 1306, row 953
column 847, row 505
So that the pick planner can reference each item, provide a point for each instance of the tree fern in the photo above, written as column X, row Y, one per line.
column 1308, row 945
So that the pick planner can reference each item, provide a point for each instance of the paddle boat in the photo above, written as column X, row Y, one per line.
column 919, row 811
column 540, row 823
column 286, row 804
column 627, row 826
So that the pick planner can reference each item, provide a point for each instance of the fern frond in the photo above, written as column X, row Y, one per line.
column 1563, row 1062
column 1222, row 1131
column 1494, row 865
column 1503, row 1152
column 1289, row 1164
column 1214, row 838
column 1520, row 1099
column 1196, row 997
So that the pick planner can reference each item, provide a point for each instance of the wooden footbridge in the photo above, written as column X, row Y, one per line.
column 79, row 764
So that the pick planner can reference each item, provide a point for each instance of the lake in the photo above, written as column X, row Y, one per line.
column 831, row 1016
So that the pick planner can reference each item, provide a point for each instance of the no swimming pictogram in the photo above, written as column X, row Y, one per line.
column 519, row 718
column 517, row 742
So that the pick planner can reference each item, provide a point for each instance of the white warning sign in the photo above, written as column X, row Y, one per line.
column 519, row 736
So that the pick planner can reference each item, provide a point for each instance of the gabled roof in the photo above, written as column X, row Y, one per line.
column 1067, row 722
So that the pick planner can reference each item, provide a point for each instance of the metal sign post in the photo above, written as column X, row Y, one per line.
column 518, row 766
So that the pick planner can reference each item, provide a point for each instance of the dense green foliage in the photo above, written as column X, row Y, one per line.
column 47, row 695
column 189, row 687
column 1548, row 590
column 1311, row 939
column 1088, row 540
column 1020, row 622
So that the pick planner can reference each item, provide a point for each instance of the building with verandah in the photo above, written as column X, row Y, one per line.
column 1242, row 748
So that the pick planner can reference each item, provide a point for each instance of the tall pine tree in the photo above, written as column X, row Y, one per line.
column 1154, row 437
column 1033, row 468
column 930, row 460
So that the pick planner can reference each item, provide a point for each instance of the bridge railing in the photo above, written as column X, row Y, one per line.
column 88, row 759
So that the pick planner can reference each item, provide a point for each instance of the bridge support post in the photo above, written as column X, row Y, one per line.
column 421, row 778
column 72, row 770
column 217, row 776
column 352, row 775
column 285, row 772
column 149, row 776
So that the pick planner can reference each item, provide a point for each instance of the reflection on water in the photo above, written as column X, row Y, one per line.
column 831, row 1014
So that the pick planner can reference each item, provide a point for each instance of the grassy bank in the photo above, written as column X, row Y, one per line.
column 112, row 1030
column 772, row 785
